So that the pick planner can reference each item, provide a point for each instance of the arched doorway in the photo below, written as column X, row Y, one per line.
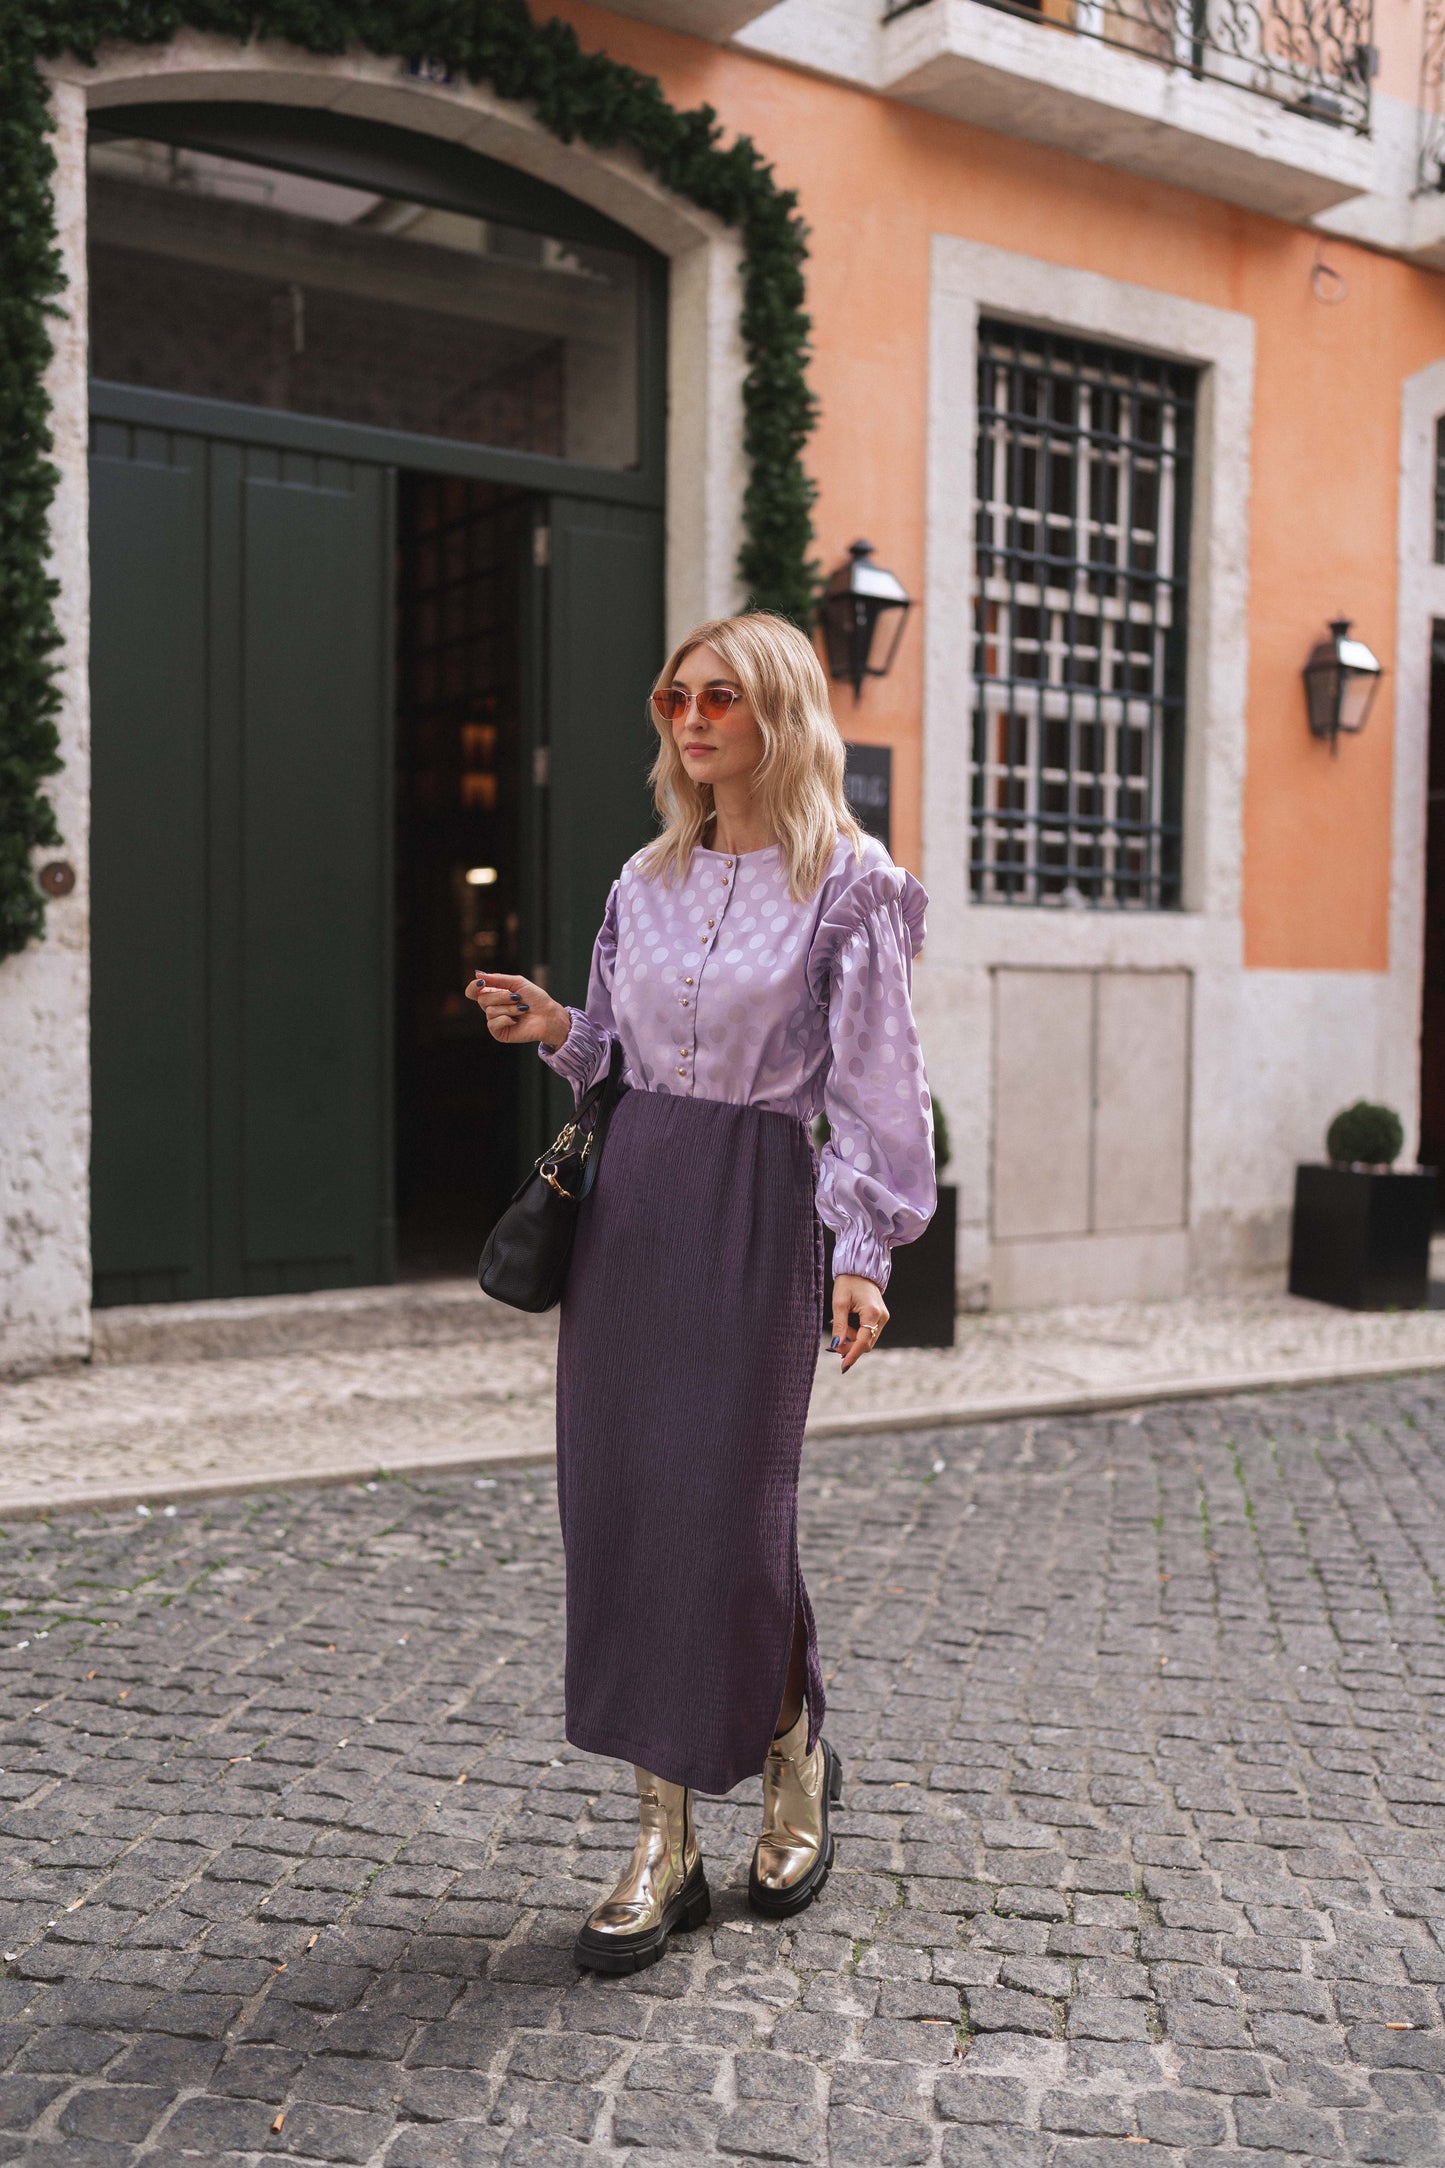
column 377, row 560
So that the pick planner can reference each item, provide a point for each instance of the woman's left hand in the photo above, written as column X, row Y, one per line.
column 852, row 1292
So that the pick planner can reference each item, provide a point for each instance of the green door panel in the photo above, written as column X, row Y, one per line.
column 606, row 649
column 315, row 870
column 148, row 870
column 241, row 660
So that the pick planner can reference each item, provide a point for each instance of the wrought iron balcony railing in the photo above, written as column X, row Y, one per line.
column 1430, row 179
column 1312, row 56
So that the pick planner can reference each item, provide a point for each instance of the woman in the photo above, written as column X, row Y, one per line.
column 755, row 962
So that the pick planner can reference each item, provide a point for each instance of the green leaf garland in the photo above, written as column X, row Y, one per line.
column 576, row 94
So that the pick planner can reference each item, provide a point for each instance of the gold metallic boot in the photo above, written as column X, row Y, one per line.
column 795, row 1851
column 662, row 1888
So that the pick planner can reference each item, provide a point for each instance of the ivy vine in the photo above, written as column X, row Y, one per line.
column 578, row 95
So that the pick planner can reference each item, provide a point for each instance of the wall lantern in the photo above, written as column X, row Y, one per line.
column 864, row 612
column 1341, row 678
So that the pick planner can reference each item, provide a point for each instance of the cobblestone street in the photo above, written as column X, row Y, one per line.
column 1141, row 1856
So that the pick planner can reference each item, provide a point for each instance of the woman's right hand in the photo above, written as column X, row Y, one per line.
column 519, row 1012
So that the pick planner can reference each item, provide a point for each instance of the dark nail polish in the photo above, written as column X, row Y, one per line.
column 833, row 1347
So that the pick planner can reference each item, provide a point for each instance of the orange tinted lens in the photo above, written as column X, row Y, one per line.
column 670, row 701
column 714, row 701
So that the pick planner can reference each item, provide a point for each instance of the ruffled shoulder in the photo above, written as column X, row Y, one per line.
column 858, row 892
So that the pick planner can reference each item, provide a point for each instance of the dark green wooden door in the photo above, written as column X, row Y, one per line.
column 241, row 706
column 150, row 1181
column 605, row 618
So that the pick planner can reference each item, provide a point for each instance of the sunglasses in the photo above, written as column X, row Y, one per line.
column 673, row 701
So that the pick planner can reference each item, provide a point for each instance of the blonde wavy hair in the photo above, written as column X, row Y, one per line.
column 800, row 776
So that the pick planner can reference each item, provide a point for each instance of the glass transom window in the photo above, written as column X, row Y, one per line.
column 1084, row 458
column 220, row 278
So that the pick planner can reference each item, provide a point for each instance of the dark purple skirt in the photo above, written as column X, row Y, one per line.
column 690, row 1331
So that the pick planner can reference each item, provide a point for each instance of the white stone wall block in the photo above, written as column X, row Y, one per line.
column 1043, row 1103
column 45, row 992
column 1091, row 1268
column 1141, row 1101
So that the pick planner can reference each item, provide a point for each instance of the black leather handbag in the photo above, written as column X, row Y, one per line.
column 527, row 1253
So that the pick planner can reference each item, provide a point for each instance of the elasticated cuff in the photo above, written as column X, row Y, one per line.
column 583, row 1054
column 860, row 1252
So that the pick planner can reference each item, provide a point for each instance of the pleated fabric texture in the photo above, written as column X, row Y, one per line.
column 689, row 1338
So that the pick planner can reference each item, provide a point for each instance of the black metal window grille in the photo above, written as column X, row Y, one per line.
column 1440, row 491
column 1081, row 606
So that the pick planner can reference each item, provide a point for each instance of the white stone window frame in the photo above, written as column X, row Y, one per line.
column 1420, row 602
column 968, row 940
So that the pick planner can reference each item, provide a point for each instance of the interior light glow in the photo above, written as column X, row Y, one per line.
column 481, row 876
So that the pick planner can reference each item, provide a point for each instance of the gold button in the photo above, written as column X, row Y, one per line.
column 687, row 982
column 727, row 861
column 712, row 922
column 682, row 1072
column 684, row 998
column 725, row 880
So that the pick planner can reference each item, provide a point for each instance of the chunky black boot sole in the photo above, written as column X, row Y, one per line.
column 634, row 1953
column 781, row 1904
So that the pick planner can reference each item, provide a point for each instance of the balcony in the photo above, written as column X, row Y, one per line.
column 715, row 19
column 1265, row 103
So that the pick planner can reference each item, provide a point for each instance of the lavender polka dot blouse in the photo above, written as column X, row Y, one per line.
column 720, row 986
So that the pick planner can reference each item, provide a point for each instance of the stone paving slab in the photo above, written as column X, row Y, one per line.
column 1141, row 1857
column 342, row 1386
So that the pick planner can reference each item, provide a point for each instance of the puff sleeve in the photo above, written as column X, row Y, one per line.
column 585, row 1052
column 876, row 1184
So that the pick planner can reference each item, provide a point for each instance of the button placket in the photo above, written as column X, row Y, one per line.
column 691, row 990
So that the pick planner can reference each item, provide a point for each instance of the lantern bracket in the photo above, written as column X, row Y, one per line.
column 1341, row 679
column 863, row 612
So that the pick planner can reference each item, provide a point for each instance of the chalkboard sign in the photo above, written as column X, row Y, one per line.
column 868, row 787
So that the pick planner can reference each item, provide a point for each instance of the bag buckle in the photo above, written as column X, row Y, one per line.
column 549, row 1166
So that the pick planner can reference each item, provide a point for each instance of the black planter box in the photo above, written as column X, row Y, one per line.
column 921, row 1293
column 1361, row 1238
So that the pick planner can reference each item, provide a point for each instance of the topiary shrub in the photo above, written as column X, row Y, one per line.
column 1365, row 1135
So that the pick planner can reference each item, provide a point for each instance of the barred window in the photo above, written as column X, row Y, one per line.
column 1084, row 458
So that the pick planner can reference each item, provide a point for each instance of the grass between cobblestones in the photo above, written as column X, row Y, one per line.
column 1141, row 1858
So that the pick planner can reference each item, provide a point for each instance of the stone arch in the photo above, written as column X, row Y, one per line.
column 706, row 366
column 45, row 1289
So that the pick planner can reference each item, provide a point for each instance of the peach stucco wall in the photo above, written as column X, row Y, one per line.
column 876, row 180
